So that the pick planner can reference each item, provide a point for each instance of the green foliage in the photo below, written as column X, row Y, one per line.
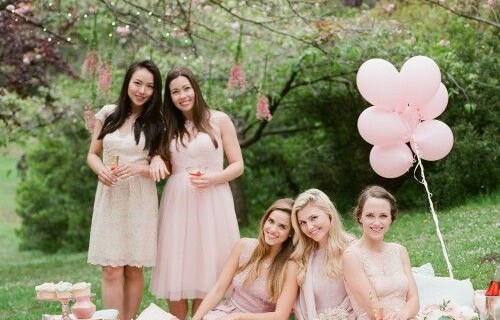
column 55, row 200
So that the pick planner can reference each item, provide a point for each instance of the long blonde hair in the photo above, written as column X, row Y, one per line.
column 278, row 267
column 305, row 246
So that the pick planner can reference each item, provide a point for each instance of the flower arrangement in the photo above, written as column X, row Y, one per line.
column 447, row 310
column 336, row 313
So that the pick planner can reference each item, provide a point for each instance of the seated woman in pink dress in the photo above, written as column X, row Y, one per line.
column 320, row 241
column 378, row 274
column 260, row 273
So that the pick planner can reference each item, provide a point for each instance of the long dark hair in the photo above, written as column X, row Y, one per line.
column 150, row 120
column 277, row 270
column 174, row 118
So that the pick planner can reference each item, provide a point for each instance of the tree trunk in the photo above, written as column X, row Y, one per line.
column 353, row 3
column 240, row 201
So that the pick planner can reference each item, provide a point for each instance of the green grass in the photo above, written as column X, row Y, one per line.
column 470, row 232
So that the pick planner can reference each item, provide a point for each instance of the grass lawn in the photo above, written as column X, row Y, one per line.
column 470, row 232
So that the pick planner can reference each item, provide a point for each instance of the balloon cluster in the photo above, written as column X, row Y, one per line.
column 405, row 104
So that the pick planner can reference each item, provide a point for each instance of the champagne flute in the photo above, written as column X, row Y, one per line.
column 113, row 161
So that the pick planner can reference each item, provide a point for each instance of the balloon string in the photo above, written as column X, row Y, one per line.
column 434, row 215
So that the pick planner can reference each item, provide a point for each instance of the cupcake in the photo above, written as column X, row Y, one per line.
column 46, row 291
column 81, row 289
column 63, row 290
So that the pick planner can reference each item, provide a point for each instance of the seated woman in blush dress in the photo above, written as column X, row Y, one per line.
column 320, row 241
column 378, row 274
column 262, row 277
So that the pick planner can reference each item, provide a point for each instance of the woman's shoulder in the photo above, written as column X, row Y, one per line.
column 105, row 111
column 217, row 114
column 352, row 246
column 248, row 244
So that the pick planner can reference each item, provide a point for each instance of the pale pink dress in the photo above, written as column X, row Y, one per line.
column 125, row 217
column 385, row 272
column 320, row 292
column 250, row 298
column 197, row 230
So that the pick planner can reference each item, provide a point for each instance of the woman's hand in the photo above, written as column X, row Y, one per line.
column 202, row 181
column 231, row 316
column 125, row 171
column 393, row 315
column 107, row 177
column 158, row 169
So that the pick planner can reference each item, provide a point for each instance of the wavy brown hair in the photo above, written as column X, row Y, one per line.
column 278, row 267
column 175, row 120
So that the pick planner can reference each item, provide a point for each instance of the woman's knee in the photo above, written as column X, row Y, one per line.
column 112, row 273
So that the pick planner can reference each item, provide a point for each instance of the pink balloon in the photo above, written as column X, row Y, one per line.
column 432, row 139
column 381, row 127
column 420, row 79
column 436, row 105
column 378, row 82
column 391, row 161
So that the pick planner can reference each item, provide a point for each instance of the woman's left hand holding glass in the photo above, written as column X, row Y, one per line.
column 202, row 181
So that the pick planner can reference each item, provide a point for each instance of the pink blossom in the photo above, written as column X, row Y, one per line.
column 23, row 9
column 89, row 117
column 263, row 112
column 89, row 65
column 104, row 78
column 389, row 7
column 123, row 31
column 492, row 3
column 236, row 78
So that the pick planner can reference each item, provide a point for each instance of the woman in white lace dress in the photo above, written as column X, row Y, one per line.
column 124, row 221
column 378, row 274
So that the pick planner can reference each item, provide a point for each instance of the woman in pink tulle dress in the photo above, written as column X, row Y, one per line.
column 197, row 226
column 378, row 274
column 263, row 280
column 320, row 241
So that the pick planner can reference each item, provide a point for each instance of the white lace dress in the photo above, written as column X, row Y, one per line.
column 124, row 221
column 385, row 272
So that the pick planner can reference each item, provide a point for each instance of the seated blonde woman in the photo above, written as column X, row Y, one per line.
column 320, row 241
column 262, row 277
column 378, row 274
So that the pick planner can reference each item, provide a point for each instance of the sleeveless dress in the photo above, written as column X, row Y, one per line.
column 197, row 229
column 124, row 221
column 385, row 272
column 251, row 298
column 319, row 292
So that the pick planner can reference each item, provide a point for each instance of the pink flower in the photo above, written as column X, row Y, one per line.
column 104, row 78
column 89, row 65
column 389, row 7
column 123, row 31
column 89, row 117
column 236, row 78
column 23, row 9
column 492, row 3
column 263, row 112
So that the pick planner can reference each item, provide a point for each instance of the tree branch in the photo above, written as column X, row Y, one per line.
column 463, row 15
column 262, row 25
column 274, row 104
